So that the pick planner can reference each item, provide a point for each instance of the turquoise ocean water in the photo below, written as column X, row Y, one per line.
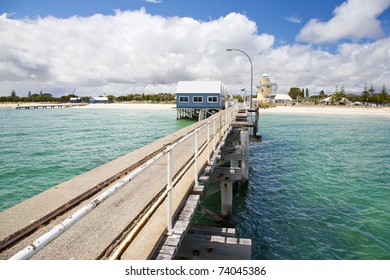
column 319, row 189
column 45, row 147
column 319, row 185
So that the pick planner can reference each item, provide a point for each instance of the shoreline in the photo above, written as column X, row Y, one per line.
column 134, row 106
column 383, row 112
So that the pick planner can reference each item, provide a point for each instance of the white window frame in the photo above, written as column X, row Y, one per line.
column 184, row 97
column 201, row 99
column 212, row 98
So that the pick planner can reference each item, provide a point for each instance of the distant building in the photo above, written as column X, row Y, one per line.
column 266, row 94
column 264, row 88
column 331, row 100
column 199, row 98
column 281, row 98
column 200, row 94
column 75, row 100
column 99, row 100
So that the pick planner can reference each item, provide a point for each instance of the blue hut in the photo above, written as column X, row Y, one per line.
column 198, row 99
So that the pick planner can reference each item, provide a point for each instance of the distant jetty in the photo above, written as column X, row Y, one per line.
column 46, row 106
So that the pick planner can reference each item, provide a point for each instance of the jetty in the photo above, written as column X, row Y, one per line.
column 140, row 206
column 49, row 106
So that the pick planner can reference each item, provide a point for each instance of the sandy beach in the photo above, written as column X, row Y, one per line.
column 130, row 106
column 329, row 110
column 292, row 110
column 281, row 110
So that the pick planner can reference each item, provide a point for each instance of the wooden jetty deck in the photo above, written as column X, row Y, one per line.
column 131, row 223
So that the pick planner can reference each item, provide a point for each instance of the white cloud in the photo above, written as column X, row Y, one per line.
column 294, row 19
column 126, row 49
column 354, row 19
column 154, row 1
column 133, row 51
column 352, row 65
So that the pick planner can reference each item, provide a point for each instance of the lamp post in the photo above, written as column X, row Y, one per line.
column 250, row 98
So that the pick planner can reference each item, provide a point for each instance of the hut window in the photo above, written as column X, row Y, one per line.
column 212, row 99
column 197, row 99
column 183, row 99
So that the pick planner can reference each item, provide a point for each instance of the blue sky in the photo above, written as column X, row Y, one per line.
column 315, row 44
column 278, row 17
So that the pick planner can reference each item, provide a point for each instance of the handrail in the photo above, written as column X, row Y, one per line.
column 56, row 231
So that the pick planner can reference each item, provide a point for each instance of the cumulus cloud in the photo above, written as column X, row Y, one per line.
column 130, row 48
column 351, row 66
column 354, row 19
column 134, row 51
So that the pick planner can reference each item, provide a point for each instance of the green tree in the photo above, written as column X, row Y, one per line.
column 130, row 97
column 121, row 98
column 383, row 96
column 137, row 97
column 365, row 94
column 295, row 93
column 337, row 97
column 111, row 97
column 342, row 90
column 371, row 90
column 13, row 93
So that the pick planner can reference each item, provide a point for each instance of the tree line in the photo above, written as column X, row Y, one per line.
column 48, row 97
column 368, row 95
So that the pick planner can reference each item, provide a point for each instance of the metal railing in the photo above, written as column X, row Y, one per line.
column 224, row 119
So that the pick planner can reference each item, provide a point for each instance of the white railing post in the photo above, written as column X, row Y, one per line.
column 226, row 118
column 214, row 136
column 220, row 127
column 208, row 142
column 169, row 189
column 196, row 157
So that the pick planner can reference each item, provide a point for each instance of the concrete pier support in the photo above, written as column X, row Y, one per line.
column 244, row 139
column 227, row 199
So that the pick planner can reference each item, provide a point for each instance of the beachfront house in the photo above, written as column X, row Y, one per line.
column 281, row 98
column 75, row 100
column 99, row 99
column 199, row 98
column 332, row 100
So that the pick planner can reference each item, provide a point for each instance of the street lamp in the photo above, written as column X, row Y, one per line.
column 250, row 98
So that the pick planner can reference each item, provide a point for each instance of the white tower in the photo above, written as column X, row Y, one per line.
column 264, row 89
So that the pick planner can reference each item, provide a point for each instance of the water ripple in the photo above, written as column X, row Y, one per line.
column 319, row 189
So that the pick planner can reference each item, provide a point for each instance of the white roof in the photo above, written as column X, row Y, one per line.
column 101, row 98
column 201, row 87
column 283, row 96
